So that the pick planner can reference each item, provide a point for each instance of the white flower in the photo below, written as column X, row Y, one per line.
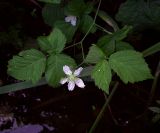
column 72, row 78
column 71, row 19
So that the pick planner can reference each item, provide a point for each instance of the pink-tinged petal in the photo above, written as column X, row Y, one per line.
column 78, row 71
column 68, row 19
column 79, row 82
column 63, row 80
column 73, row 21
column 67, row 70
column 71, row 85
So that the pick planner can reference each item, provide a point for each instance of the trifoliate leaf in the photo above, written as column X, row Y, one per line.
column 28, row 65
column 55, row 42
column 86, row 23
column 130, row 66
column 95, row 55
column 52, row 13
column 55, row 65
column 102, row 75
column 51, row 1
column 108, row 42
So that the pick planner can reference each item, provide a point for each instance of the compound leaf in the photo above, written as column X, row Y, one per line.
column 55, row 65
column 130, row 66
column 55, row 42
column 95, row 55
column 28, row 65
column 102, row 75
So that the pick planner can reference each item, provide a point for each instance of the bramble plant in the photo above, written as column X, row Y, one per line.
column 108, row 56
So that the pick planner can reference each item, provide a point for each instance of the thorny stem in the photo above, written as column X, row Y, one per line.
column 106, row 104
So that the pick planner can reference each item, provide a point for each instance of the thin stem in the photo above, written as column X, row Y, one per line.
column 72, row 45
column 99, row 117
column 103, row 29
column 154, row 84
column 104, row 16
column 82, row 51
column 81, row 42
column 93, row 21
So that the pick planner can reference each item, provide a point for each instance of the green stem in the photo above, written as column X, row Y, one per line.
column 105, row 17
column 154, row 84
column 103, row 29
column 72, row 45
column 99, row 117
column 28, row 84
column 81, row 42
column 21, row 86
column 93, row 22
column 82, row 51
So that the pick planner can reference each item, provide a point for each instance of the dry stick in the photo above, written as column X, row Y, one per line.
column 103, row 109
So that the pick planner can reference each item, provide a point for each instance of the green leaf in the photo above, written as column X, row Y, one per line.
column 102, row 75
column 29, row 65
column 44, row 43
column 75, row 8
column 55, row 42
column 95, row 54
column 89, row 7
column 155, row 109
column 52, row 13
column 130, row 66
column 132, row 13
column 67, row 29
column 55, row 65
column 120, row 45
column 109, row 20
column 108, row 42
column 156, row 118
column 86, row 23
column 122, row 33
column 27, row 84
column 127, row 14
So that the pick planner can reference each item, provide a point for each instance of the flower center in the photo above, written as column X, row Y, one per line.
column 71, row 77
